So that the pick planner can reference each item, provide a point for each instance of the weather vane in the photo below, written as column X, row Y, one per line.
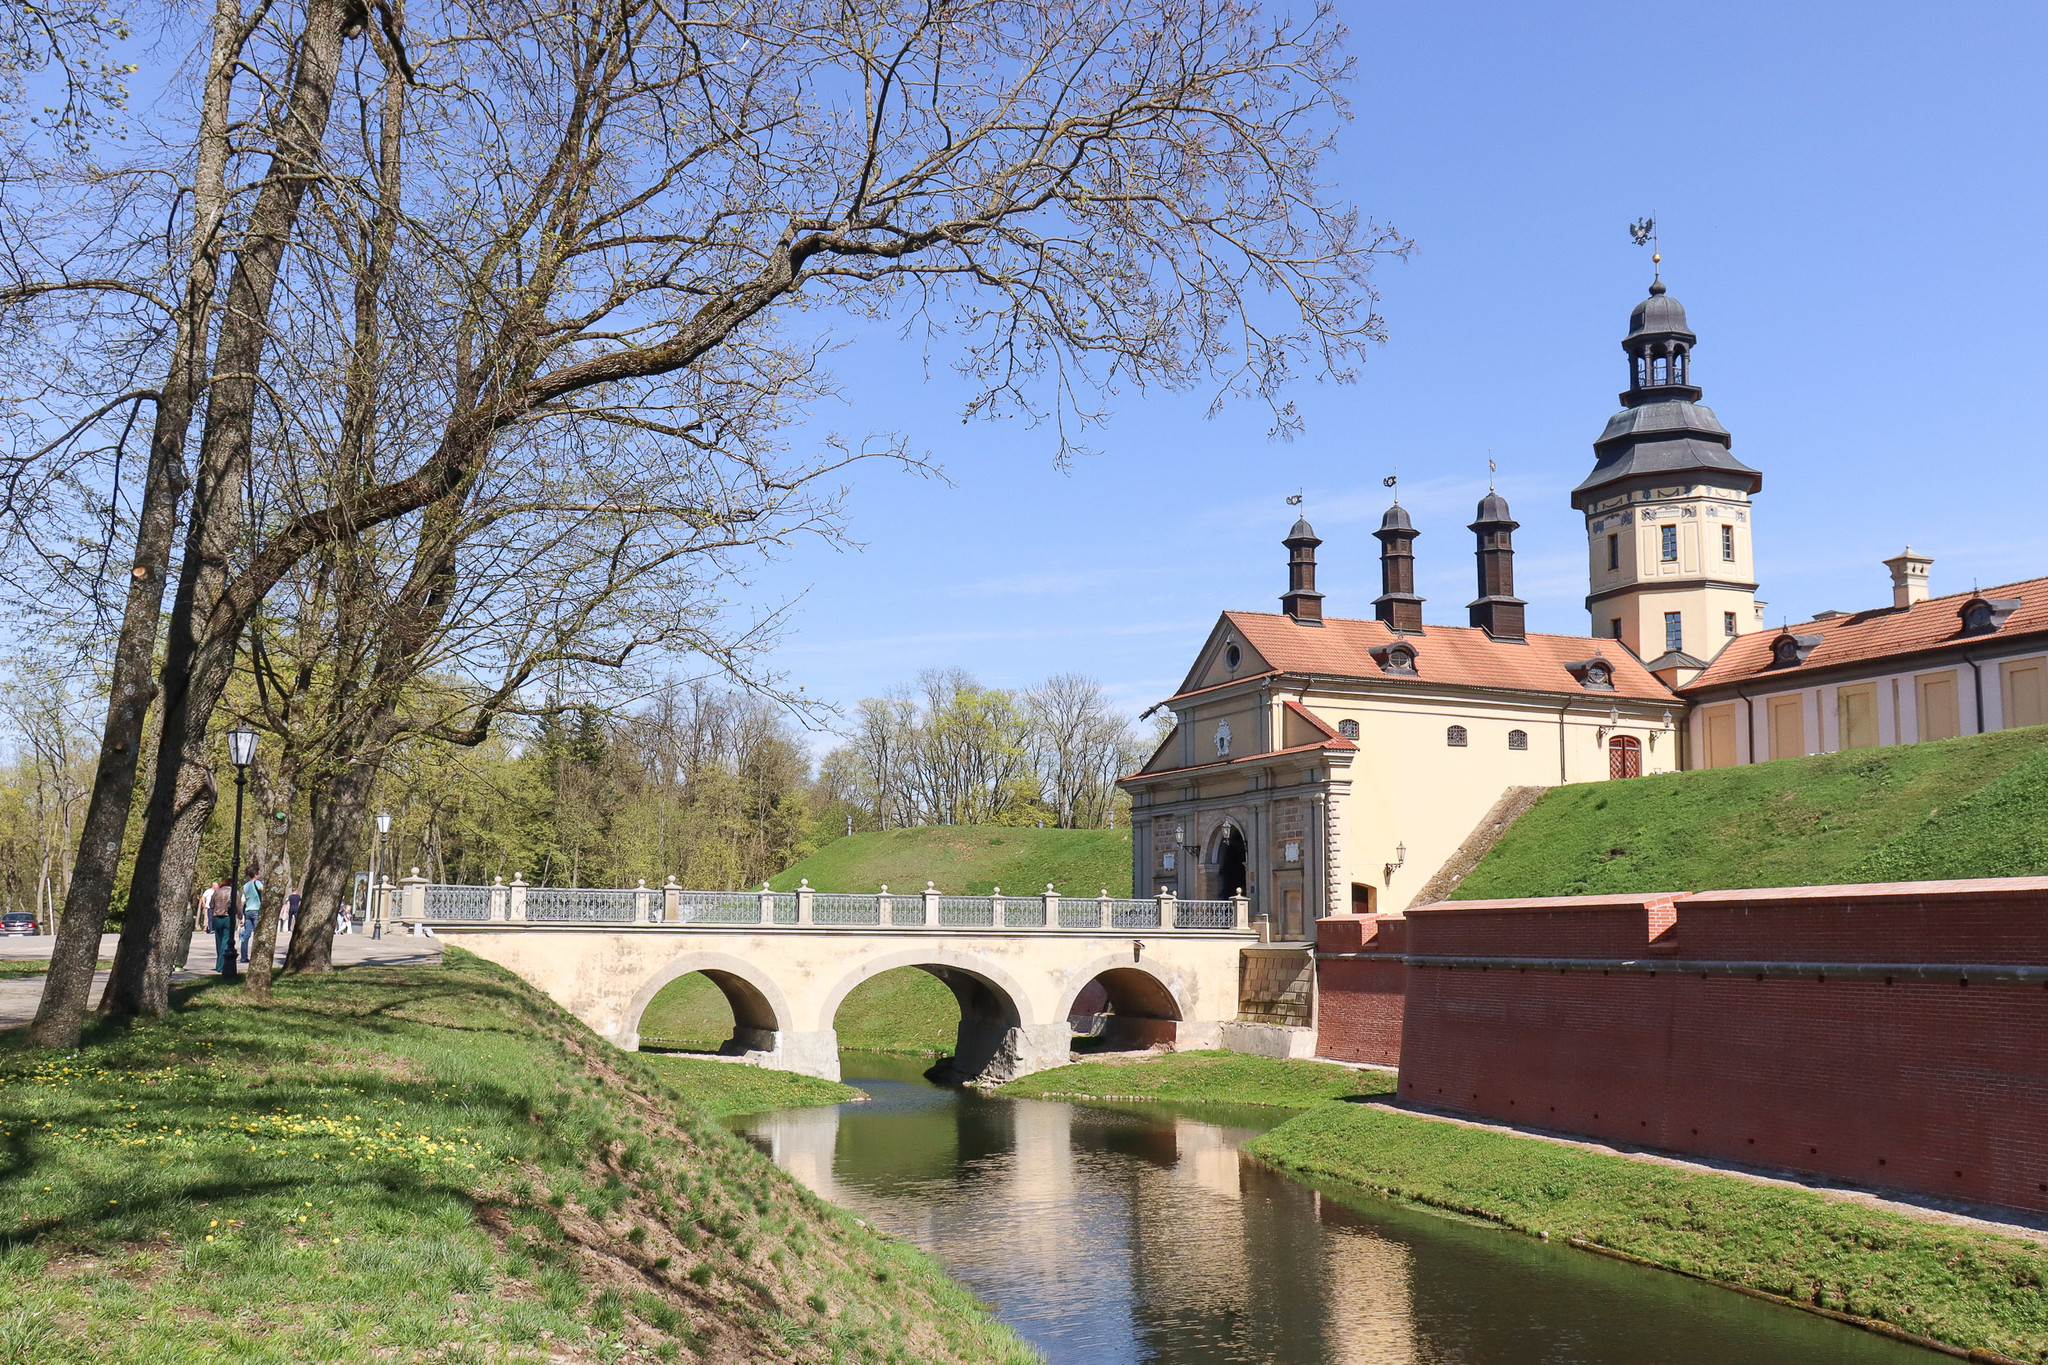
column 1643, row 232
column 1295, row 501
column 1491, row 470
column 1393, row 481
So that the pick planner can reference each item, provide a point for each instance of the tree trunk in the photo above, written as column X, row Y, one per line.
column 60, row 1018
column 205, row 629
column 277, row 884
column 337, row 827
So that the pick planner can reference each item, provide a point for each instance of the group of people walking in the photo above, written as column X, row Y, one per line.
column 218, row 912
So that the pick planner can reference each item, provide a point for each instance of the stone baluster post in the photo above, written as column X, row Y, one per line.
column 885, row 907
column 803, row 903
column 515, row 900
column 671, row 902
column 995, row 907
column 1052, row 907
column 415, row 904
column 1164, row 900
column 767, row 904
column 1102, row 910
column 931, row 906
column 643, row 904
column 498, row 900
column 1241, row 916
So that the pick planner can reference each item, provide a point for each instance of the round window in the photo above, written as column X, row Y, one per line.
column 1596, row 675
column 1232, row 657
column 1401, row 658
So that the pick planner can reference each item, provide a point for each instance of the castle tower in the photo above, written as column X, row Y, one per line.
column 1668, row 529
column 1497, row 610
column 1397, row 603
column 1302, row 601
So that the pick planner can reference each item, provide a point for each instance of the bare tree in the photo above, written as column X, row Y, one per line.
column 612, row 199
column 1080, row 745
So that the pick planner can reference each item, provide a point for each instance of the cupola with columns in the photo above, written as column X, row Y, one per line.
column 1668, row 518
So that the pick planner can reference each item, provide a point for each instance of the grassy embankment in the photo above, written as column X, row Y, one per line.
column 1965, row 1288
column 1203, row 1078
column 971, row 860
column 426, row 1163
column 1971, row 807
column 908, row 1010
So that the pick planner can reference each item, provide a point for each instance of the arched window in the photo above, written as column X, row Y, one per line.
column 1348, row 729
column 1518, row 739
column 1455, row 736
column 1624, row 757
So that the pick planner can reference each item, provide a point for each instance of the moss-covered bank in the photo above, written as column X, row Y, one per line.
column 1968, row 1289
column 425, row 1163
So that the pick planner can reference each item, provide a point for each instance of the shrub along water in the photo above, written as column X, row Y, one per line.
column 427, row 1163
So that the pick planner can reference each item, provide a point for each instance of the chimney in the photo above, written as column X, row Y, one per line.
column 1397, row 603
column 1497, row 611
column 1909, row 577
column 1302, row 601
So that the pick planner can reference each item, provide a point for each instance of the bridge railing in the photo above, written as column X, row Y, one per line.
column 422, row 903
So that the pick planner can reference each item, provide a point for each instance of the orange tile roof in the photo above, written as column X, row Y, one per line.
column 1463, row 656
column 1880, row 634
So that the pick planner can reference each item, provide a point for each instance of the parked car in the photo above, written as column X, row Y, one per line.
column 18, row 922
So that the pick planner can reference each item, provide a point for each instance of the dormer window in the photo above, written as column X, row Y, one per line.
column 1983, row 615
column 1398, row 657
column 1595, row 674
column 1790, row 651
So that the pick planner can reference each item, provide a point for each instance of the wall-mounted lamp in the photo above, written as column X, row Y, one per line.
column 1400, row 859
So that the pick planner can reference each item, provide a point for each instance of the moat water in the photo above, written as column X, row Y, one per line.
column 1115, row 1234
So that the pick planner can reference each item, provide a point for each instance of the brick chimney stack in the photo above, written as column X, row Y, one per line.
column 1909, row 577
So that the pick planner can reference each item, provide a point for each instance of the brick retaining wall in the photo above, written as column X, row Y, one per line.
column 1726, row 1035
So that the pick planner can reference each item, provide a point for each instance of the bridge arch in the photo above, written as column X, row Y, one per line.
column 1146, row 1005
column 1005, row 1001
column 1000, row 1034
column 760, row 1011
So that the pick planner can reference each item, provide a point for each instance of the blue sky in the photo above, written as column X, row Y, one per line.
column 1850, row 200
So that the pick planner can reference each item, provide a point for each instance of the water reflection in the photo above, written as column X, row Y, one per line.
column 1139, row 1233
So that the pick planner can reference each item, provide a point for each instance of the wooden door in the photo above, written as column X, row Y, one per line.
column 1940, row 718
column 1624, row 757
column 1788, row 726
column 2025, row 684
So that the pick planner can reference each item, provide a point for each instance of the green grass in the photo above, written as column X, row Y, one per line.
column 905, row 1010
column 1967, row 1288
column 1972, row 807
column 425, row 1163
column 1205, row 1078
column 724, row 1088
column 971, row 860
column 16, row 971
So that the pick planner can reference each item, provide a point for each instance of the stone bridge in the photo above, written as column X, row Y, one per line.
column 1168, row 969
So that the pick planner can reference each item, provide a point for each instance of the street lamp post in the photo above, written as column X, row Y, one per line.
column 241, row 752
column 379, row 905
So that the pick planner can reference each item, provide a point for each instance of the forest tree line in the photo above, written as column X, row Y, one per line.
column 713, row 787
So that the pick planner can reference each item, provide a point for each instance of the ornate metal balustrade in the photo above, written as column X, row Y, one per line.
column 578, row 905
column 421, row 903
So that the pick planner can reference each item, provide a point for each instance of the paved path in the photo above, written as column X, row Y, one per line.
column 19, row 998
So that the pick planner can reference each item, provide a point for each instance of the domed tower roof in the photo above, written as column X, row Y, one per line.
column 1663, row 433
column 1658, row 315
column 1492, row 508
column 1396, row 519
column 1302, row 531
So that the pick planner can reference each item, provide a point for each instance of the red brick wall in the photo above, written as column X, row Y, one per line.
column 1359, row 1004
column 1935, row 1087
